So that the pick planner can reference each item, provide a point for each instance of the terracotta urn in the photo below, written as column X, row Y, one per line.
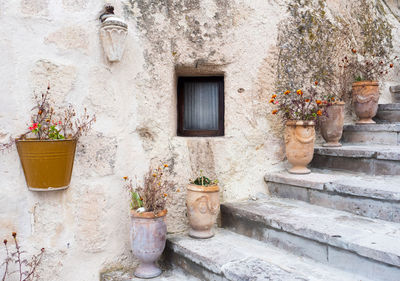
column 148, row 237
column 299, row 140
column 332, row 124
column 203, row 206
column 365, row 100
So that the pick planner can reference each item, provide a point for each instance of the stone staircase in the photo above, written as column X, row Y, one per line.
column 341, row 222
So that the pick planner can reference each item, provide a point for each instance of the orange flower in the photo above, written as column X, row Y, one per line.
column 273, row 96
column 165, row 165
column 307, row 100
column 125, row 178
column 154, row 175
column 391, row 65
column 286, row 92
column 165, row 194
column 275, row 111
column 332, row 99
column 354, row 51
column 299, row 92
column 316, row 83
column 271, row 101
column 318, row 102
column 319, row 112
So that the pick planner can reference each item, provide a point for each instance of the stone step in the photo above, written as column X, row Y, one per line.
column 368, row 196
column 127, row 275
column 388, row 134
column 369, row 159
column 364, row 246
column 388, row 113
column 230, row 256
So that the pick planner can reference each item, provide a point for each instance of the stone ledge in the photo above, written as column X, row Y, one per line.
column 389, row 107
column 230, row 256
column 373, row 239
column 352, row 184
column 127, row 275
column 383, row 152
column 395, row 127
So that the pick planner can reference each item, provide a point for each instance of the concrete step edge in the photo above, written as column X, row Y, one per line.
column 332, row 227
column 230, row 256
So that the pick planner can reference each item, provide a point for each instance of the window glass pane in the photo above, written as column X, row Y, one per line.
column 201, row 105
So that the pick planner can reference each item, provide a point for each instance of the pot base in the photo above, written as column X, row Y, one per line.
column 201, row 234
column 299, row 170
column 47, row 189
column 332, row 144
column 365, row 121
column 147, row 270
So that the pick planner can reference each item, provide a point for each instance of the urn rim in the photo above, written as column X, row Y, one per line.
column 200, row 188
column 149, row 215
column 300, row 123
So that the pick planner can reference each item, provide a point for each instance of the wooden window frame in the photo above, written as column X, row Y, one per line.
column 221, row 107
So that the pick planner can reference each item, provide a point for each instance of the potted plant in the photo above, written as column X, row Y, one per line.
column 47, row 150
column 367, row 69
column 148, row 213
column 202, row 201
column 299, row 111
column 331, row 122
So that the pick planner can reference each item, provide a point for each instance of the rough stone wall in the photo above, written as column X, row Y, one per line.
column 85, row 229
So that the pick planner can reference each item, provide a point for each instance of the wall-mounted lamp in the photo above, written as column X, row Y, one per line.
column 113, row 33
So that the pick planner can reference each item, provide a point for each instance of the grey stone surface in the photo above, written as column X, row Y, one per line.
column 370, row 137
column 372, row 128
column 126, row 275
column 255, row 269
column 374, row 239
column 369, row 159
column 388, row 113
column 235, row 257
column 360, row 185
column 363, row 151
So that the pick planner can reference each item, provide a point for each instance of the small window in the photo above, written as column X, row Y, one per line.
column 201, row 106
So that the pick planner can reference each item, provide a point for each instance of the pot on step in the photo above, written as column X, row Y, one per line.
column 299, row 140
column 203, row 207
column 365, row 96
column 148, row 237
column 332, row 124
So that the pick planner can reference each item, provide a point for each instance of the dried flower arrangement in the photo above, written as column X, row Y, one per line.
column 48, row 125
column 298, row 105
column 203, row 181
column 152, row 195
column 366, row 67
column 27, row 269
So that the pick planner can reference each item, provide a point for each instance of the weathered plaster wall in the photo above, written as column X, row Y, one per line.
column 85, row 229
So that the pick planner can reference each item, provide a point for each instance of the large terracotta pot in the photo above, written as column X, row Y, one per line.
column 332, row 124
column 365, row 100
column 299, row 140
column 148, row 237
column 203, row 206
column 47, row 164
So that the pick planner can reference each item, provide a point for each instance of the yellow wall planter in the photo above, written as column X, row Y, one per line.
column 47, row 164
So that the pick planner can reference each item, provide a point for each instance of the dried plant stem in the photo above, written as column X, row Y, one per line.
column 6, row 262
